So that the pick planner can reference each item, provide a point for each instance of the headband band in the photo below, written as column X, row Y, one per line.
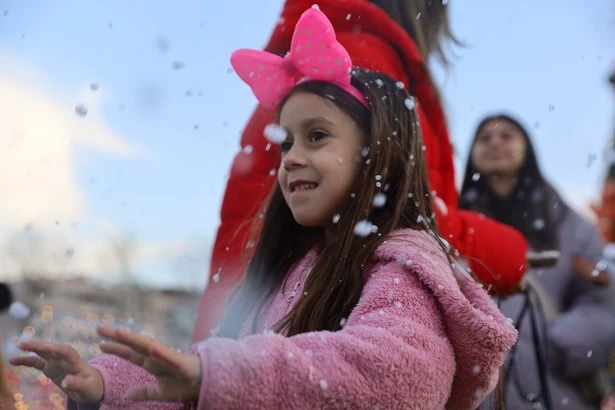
column 315, row 54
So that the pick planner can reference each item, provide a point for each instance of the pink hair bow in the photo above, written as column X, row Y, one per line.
column 314, row 53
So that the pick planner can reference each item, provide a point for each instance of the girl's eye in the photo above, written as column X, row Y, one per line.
column 317, row 135
column 285, row 146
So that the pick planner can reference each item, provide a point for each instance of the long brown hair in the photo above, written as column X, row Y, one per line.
column 426, row 21
column 392, row 164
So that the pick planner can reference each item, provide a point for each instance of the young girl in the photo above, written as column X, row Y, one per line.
column 396, row 38
column 349, row 300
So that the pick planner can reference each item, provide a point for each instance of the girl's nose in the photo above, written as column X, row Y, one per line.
column 294, row 158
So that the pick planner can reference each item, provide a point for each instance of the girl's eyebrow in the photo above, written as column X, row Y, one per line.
column 314, row 120
column 310, row 122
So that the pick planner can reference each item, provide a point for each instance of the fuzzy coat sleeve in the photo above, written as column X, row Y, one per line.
column 392, row 353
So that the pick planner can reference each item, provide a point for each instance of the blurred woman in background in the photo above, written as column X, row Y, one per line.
column 503, row 181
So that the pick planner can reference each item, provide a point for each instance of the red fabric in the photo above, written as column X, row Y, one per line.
column 374, row 41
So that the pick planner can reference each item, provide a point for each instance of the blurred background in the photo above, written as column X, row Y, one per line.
column 119, row 121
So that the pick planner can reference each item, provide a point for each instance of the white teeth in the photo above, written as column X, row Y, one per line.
column 305, row 186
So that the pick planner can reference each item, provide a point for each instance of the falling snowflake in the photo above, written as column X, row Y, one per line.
column 323, row 384
column 18, row 310
column 339, row 160
column 81, row 110
column 400, row 85
column 379, row 200
column 538, row 224
column 275, row 133
column 248, row 149
column 336, row 218
column 365, row 228
column 396, row 281
column 475, row 176
column 409, row 102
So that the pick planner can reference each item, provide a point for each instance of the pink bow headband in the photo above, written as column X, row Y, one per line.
column 314, row 53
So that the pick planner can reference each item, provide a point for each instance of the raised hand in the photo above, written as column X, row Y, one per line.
column 178, row 375
column 592, row 272
column 65, row 367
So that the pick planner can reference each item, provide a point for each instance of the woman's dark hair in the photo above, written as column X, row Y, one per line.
column 426, row 21
column 392, row 164
column 533, row 207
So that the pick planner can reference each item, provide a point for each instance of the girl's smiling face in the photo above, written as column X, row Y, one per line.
column 319, row 164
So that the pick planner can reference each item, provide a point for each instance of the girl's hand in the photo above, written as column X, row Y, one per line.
column 65, row 367
column 592, row 272
column 178, row 375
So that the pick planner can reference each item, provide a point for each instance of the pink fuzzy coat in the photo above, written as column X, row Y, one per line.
column 415, row 340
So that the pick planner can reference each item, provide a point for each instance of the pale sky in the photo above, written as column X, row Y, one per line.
column 150, row 158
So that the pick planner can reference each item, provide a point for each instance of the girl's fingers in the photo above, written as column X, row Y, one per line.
column 138, row 343
column 40, row 348
column 29, row 361
column 106, row 331
column 55, row 351
column 67, row 353
column 123, row 351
